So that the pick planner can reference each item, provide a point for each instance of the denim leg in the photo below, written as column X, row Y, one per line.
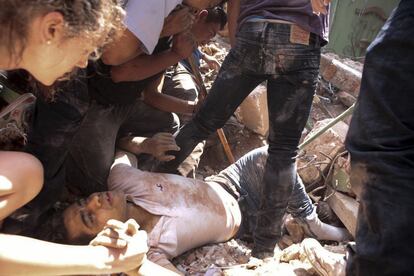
column 290, row 97
column 231, row 87
column 381, row 143
column 245, row 177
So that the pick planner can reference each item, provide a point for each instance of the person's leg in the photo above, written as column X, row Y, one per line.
column 180, row 84
column 21, row 178
column 54, row 124
column 290, row 93
column 93, row 148
column 304, row 212
column 381, row 143
column 238, row 76
column 246, row 177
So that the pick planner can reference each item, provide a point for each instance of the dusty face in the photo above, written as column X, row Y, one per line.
column 88, row 216
column 49, row 54
column 202, row 4
column 204, row 32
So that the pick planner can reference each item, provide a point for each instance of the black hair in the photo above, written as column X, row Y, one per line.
column 50, row 225
column 217, row 15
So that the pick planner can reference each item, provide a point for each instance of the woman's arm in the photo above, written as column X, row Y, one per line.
column 26, row 256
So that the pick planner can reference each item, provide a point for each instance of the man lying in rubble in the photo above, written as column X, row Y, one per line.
column 180, row 213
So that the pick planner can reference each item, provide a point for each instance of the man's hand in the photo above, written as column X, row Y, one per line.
column 127, row 244
column 183, row 44
column 177, row 22
column 212, row 63
column 159, row 144
column 319, row 6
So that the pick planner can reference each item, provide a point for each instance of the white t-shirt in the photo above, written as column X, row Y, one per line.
column 145, row 19
column 193, row 213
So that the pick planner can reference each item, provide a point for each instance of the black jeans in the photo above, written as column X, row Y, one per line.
column 381, row 143
column 263, row 52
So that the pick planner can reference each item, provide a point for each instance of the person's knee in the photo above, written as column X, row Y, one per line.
column 24, row 172
column 34, row 170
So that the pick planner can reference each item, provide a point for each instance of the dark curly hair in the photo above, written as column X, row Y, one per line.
column 217, row 15
column 98, row 20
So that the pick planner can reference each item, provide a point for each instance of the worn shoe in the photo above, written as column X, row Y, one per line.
column 324, row 262
column 315, row 228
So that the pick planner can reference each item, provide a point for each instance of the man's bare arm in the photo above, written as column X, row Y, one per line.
column 154, row 97
column 26, row 256
column 319, row 6
column 149, row 268
column 127, row 47
column 145, row 66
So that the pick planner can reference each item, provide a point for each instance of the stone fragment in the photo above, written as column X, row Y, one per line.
column 253, row 111
column 340, row 74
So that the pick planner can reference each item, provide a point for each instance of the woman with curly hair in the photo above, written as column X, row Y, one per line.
column 49, row 38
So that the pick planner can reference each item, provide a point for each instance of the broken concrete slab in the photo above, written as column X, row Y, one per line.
column 346, row 98
column 341, row 75
column 253, row 112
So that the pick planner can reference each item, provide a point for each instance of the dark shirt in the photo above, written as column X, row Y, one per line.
column 295, row 11
column 105, row 91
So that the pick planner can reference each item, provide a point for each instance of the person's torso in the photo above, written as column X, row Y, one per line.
column 193, row 213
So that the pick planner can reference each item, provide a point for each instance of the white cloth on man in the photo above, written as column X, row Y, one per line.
column 145, row 19
column 193, row 213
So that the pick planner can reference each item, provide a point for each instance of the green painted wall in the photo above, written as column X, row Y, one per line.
column 355, row 23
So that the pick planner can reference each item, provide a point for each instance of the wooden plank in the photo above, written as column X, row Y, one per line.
column 346, row 208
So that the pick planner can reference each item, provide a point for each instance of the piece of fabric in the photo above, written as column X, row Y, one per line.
column 193, row 213
column 381, row 143
column 263, row 51
column 145, row 19
column 295, row 11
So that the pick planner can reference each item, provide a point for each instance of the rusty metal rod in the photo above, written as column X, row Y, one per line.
column 328, row 126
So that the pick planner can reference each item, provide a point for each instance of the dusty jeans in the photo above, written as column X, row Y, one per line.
column 263, row 51
column 381, row 143
column 243, row 180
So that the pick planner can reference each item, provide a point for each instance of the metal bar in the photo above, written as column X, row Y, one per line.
column 328, row 126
